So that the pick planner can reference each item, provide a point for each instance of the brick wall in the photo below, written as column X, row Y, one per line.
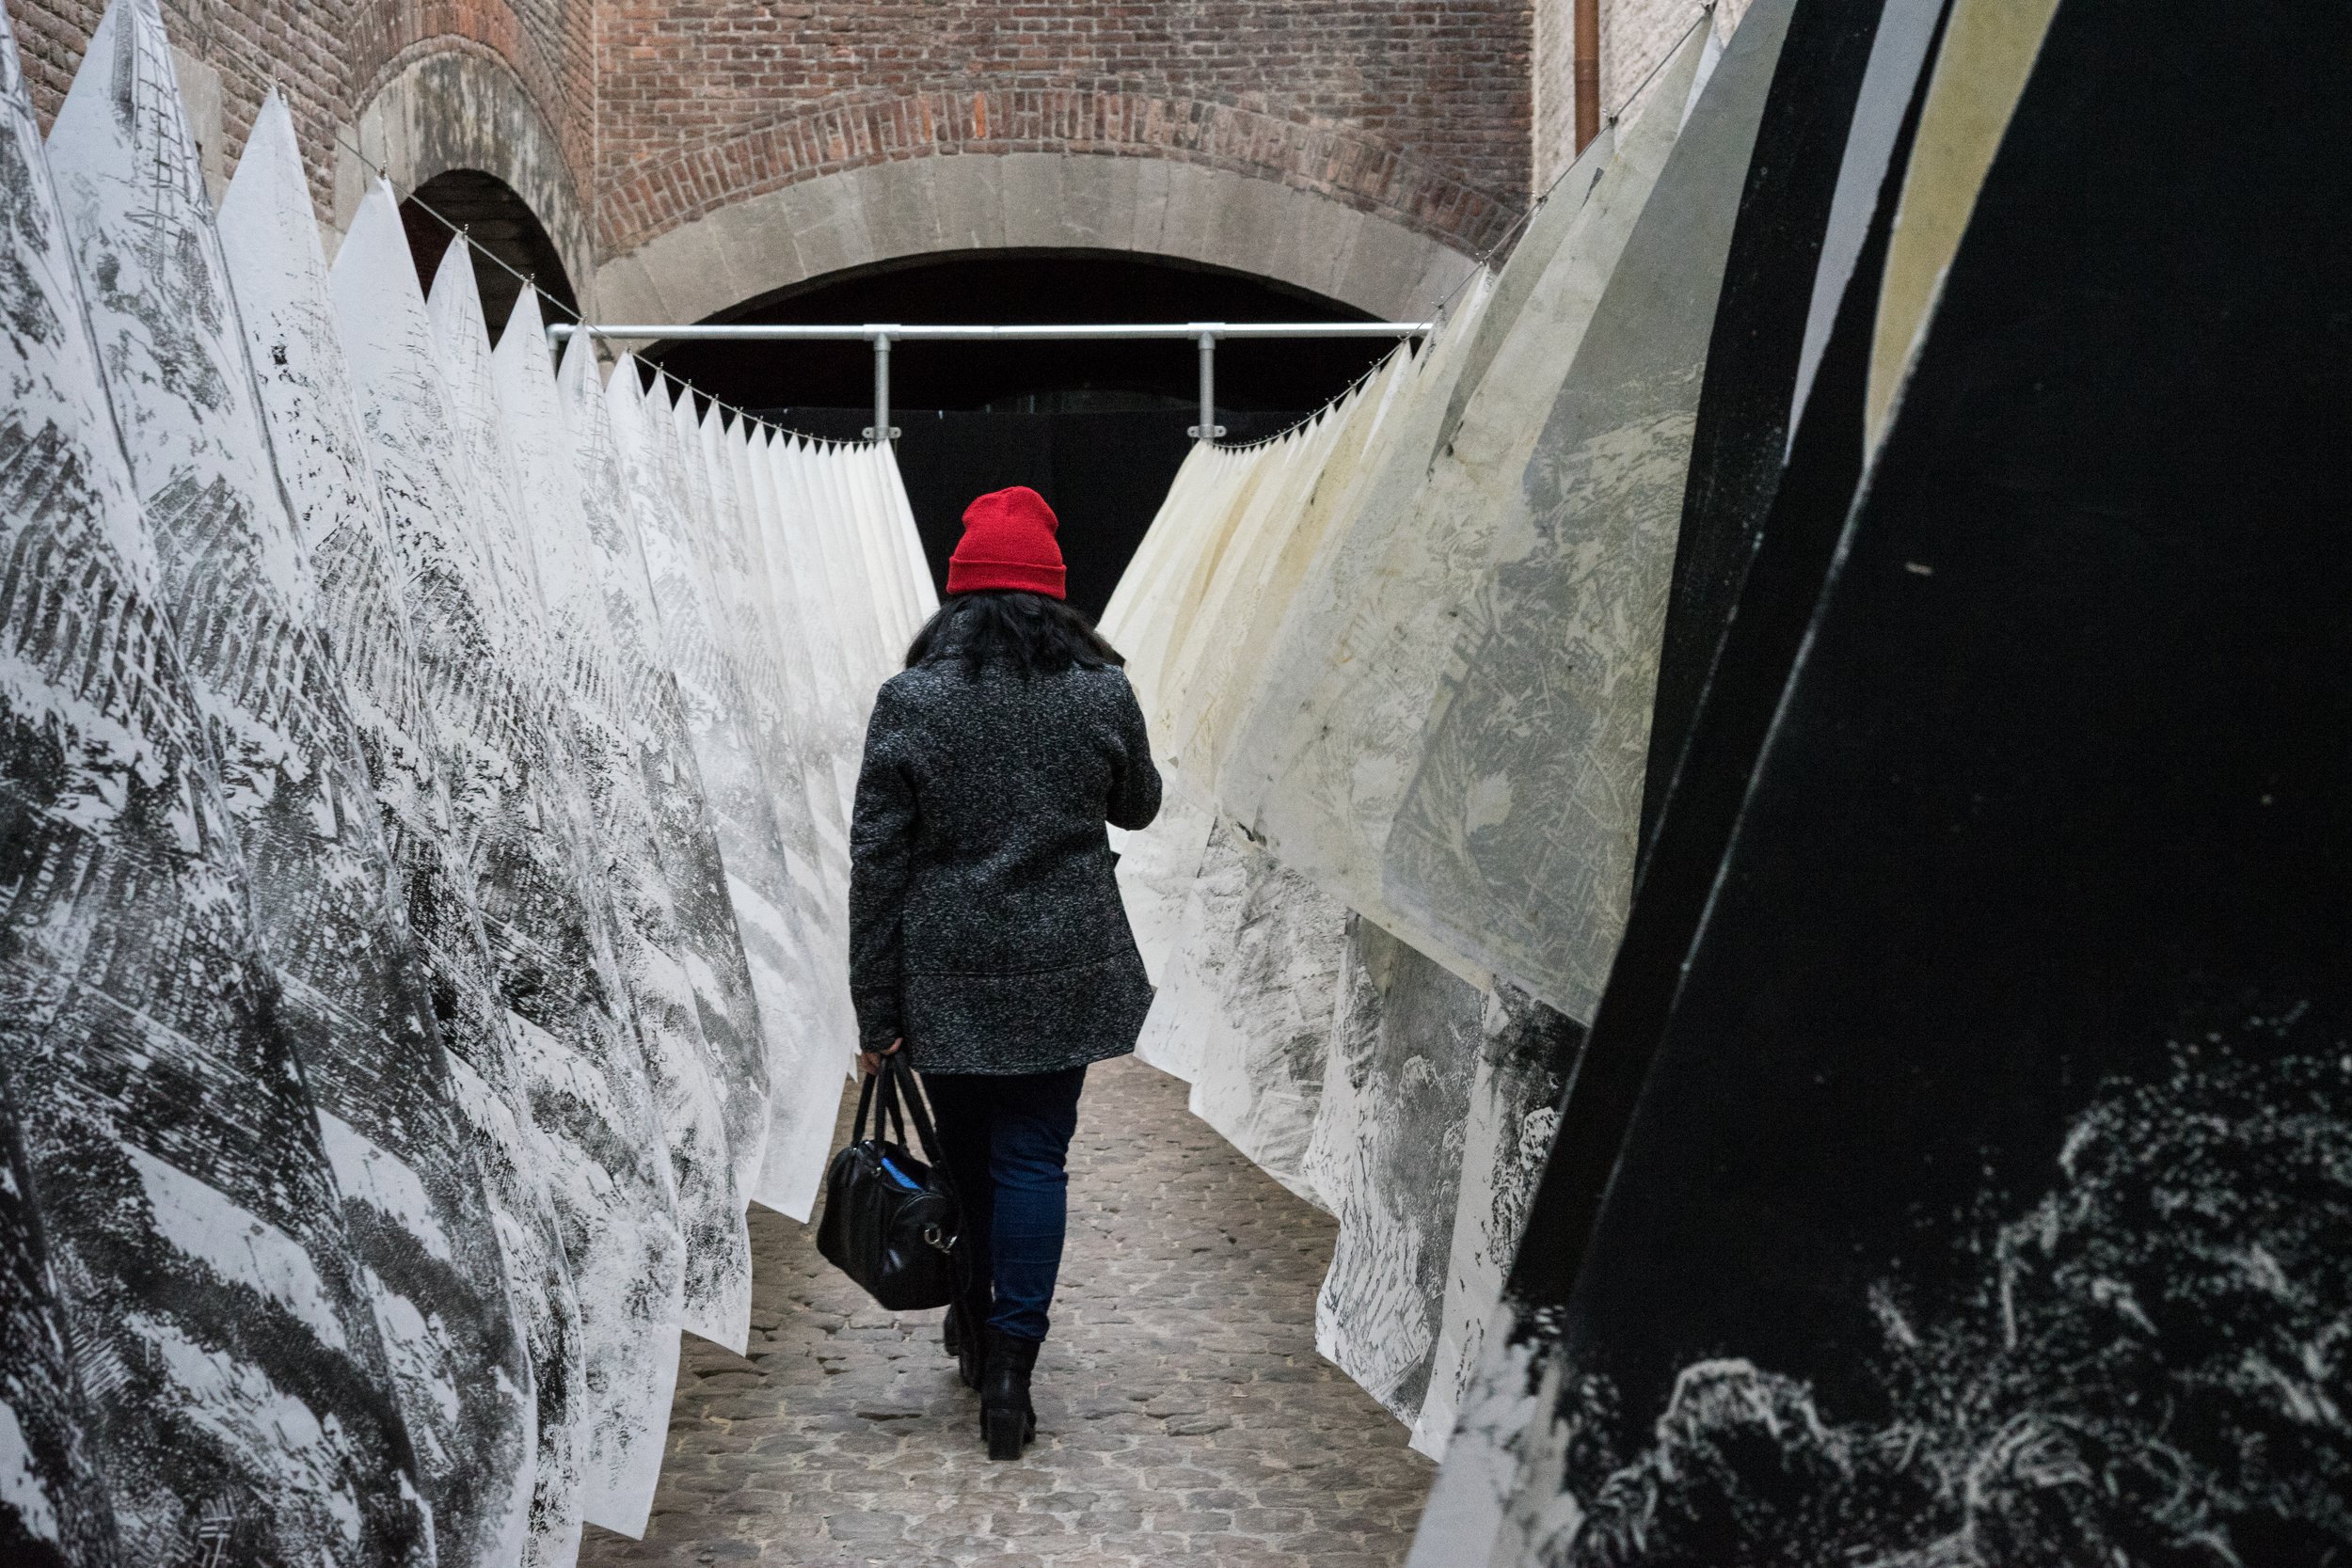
column 1636, row 36
column 667, row 109
column 328, row 56
column 1418, row 109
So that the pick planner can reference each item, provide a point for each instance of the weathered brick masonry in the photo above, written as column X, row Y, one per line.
column 1418, row 111
column 328, row 56
column 666, row 110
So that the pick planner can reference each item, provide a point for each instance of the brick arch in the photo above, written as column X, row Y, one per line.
column 1345, row 164
column 937, row 201
column 453, row 103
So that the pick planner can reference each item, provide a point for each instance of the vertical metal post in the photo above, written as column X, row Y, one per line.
column 1208, row 429
column 882, row 429
column 1584, row 67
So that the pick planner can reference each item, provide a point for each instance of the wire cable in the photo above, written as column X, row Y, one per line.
column 460, row 233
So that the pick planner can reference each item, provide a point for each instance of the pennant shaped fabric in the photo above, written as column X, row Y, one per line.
column 803, row 712
column 807, row 701
column 54, row 1512
column 220, row 1322
column 478, row 1268
column 575, row 917
column 685, row 835
column 271, row 240
column 802, row 581
column 1191, row 985
column 812, row 1050
column 1517, row 838
column 1837, row 103
column 685, row 804
column 1528, row 1055
column 1336, row 740
column 1404, row 1046
column 2017, row 1009
column 515, row 804
column 1268, row 1028
column 680, row 1064
column 741, row 806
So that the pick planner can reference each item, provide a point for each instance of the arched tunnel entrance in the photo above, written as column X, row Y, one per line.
column 1097, row 428
column 510, row 244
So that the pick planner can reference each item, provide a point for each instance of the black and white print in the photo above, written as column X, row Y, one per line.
column 558, row 938
column 1520, row 825
column 53, row 1513
column 271, row 241
column 809, row 1030
column 1267, row 1028
column 1527, row 1056
column 685, row 838
column 414, row 1147
column 1386, row 1154
column 716, row 1300
column 235, row 1388
column 743, row 808
column 2020, row 1033
column 515, row 810
column 1192, row 982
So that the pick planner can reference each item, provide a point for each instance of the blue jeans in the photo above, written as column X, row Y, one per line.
column 1005, row 1138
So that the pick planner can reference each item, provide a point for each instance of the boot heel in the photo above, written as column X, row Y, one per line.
column 1007, row 1418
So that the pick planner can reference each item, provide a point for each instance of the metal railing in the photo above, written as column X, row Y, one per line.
column 882, row 334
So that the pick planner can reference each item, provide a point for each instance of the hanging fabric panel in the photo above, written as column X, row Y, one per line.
column 515, row 801
column 220, row 1318
column 270, row 240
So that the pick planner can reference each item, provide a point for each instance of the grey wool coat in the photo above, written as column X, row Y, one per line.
column 985, row 924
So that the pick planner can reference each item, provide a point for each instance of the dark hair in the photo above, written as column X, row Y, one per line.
column 1028, row 632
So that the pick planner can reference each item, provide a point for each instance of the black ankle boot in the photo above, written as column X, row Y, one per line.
column 1008, row 1419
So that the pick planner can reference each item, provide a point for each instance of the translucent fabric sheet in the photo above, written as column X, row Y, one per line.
column 1338, row 736
column 1515, row 839
column 403, row 943
column 682, row 1071
column 1266, row 1025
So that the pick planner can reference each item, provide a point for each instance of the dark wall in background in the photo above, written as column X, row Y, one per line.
column 1105, row 474
column 1096, row 428
column 1000, row 289
column 507, row 238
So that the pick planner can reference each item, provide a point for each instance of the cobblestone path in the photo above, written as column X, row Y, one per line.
column 1184, row 1417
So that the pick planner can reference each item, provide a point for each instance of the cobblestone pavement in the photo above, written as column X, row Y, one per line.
column 1184, row 1417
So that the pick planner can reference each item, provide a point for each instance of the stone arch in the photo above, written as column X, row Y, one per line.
column 934, row 204
column 456, row 109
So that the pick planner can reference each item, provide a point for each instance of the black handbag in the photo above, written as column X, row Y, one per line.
column 891, row 1220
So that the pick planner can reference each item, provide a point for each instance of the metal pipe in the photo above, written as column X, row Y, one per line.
column 1586, row 70
column 798, row 333
column 1208, row 429
column 882, row 429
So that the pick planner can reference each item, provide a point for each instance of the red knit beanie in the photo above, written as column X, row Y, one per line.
column 1008, row 543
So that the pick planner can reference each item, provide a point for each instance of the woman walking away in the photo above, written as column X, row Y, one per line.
column 987, row 935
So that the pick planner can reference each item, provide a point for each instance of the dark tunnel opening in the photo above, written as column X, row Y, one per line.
column 1097, row 428
column 509, row 243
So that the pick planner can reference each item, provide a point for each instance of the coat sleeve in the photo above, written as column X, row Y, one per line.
column 1135, row 777
column 881, row 858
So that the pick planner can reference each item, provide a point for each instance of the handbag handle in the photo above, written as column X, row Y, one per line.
column 893, row 1091
column 865, row 1104
column 887, row 1112
column 912, row 1091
